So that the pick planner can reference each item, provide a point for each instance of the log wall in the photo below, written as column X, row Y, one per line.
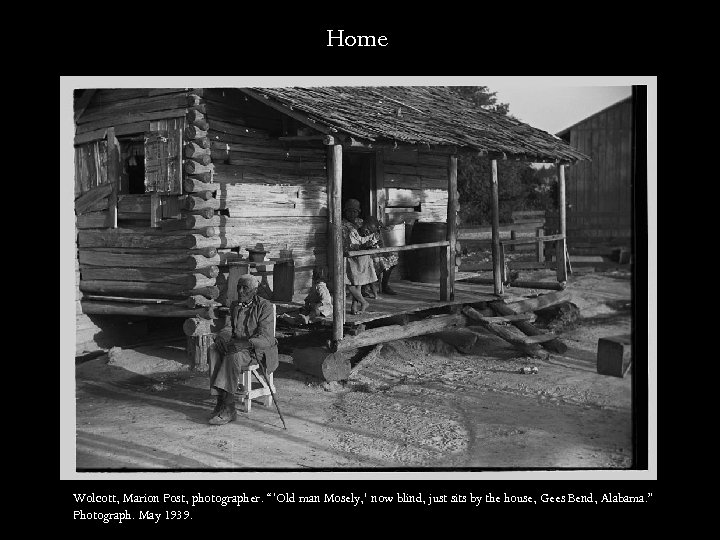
column 240, row 185
column 267, row 190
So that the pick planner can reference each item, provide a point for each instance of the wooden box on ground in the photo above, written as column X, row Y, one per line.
column 614, row 355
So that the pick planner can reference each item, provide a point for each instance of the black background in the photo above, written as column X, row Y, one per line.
column 494, row 41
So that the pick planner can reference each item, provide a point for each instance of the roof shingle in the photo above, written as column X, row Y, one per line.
column 421, row 115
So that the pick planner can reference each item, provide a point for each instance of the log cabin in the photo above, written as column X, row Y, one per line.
column 174, row 186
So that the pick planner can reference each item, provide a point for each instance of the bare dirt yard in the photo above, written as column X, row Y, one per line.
column 415, row 403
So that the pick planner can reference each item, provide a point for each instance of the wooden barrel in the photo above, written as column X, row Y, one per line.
column 424, row 264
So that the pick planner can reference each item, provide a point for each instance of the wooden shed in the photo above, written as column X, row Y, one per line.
column 599, row 191
column 173, row 186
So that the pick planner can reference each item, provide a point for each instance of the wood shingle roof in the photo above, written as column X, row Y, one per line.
column 420, row 115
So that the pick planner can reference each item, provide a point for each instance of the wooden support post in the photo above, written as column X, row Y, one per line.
column 336, row 240
column 447, row 283
column 560, row 245
column 503, row 266
column 497, row 268
column 380, row 193
column 113, row 176
column 155, row 209
column 513, row 236
column 197, row 351
column 539, row 232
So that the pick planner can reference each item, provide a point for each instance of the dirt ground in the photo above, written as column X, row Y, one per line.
column 415, row 403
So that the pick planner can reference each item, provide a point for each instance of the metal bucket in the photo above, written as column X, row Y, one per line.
column 394, row 235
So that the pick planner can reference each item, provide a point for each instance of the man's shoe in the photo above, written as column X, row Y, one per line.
column 223, row 417
column 227, row 411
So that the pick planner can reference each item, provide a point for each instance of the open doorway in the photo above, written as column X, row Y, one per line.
column 132, row 160
column 358, row 181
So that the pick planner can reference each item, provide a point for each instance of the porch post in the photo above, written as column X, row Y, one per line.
column 447, row 281
column 561, row 245
column 336, row 240
column 113, row 177
column 497, row 262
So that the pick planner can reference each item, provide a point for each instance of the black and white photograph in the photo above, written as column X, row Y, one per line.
column 427, row 275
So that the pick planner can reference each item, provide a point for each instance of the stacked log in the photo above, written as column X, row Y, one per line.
column 261, row 188
column 241, row 185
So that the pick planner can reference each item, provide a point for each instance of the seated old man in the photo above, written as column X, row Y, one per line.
column 246, row 339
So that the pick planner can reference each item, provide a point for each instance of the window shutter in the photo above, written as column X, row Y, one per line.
column 163, row 162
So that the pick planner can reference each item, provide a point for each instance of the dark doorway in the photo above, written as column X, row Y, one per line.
column 132, row 156
column 358, row 180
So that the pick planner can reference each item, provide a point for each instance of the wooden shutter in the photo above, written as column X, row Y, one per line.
column 163, row 162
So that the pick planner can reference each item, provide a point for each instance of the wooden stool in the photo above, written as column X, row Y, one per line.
column 248, row 394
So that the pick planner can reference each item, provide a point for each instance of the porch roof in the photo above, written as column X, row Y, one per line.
column 418, row 115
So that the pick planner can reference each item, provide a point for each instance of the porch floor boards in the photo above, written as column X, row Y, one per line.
column 413, row 297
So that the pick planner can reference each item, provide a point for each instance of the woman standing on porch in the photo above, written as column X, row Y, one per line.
column 359, row 270
column 383, row 262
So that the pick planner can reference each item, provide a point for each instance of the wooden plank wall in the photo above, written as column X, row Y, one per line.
column 415, row 189
column 268, row 191
column 599, row 192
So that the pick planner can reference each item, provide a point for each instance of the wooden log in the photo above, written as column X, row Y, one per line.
column 505, row 333
column 534, row 304
column 198, row 203
column 200, row 301
column 394, row 332
column 208, row 271
column 193, row 150
column 169, row 290
column 207, row 213
column 561, row 245
column 447, row 288
column 181, row 260
column 204, row 195
column 154, row 275
column 554, row 345
column 512, row 317
column 198, row 348
column 195, row 133
column 322, row 363
column 189, row 222
column 130, row 300
column 203, row 159
column 208, row 252
column 337, row 268
column 197, row 326
column 196, row 101
column 540, row 247
column 195, row 115
column 203, row 177
column 87, row 199
column 93, row 307
column 191, row 185
column 497, row 262
column 538, row 284
column 193, row 167
column 201, row 124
